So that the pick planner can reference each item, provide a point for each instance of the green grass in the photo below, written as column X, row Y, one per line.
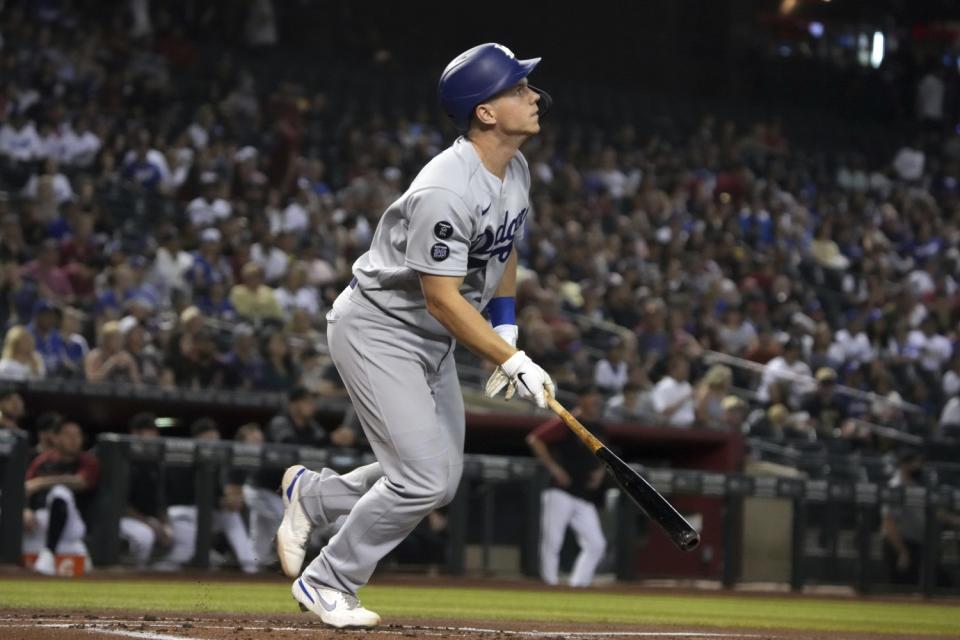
column 472, row 605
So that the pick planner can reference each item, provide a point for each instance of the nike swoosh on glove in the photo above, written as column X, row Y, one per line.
column 530, row 379
column 498, row 379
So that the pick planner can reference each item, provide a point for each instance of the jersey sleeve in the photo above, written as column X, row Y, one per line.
column 88, row 468
column 439, row 231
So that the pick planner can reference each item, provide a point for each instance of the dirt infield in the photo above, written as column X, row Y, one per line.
column 46, row 625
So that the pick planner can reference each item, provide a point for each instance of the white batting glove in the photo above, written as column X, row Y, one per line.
column 498, row 379
column 530, row 379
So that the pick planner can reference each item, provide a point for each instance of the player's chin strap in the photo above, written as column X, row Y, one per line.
column 545, row 100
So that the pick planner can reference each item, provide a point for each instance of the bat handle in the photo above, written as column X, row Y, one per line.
column 588, row 438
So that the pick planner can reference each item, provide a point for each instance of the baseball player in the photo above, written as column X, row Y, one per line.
column 441, row 253
column 576, row 486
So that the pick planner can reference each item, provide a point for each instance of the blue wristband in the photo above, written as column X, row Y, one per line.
column 502, row 310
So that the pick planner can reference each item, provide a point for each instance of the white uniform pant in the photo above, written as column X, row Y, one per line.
column 266, row 512
column 140, row 537
column 183, row 521
column 559, row 510
column 71, row 541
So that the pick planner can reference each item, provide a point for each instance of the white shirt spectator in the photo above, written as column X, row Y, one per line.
column 951, row 412
column 20, row 145
column 11, row 369
column 155, row 158
column 168, row 269
column 779, row 369
column 294, row 218
column 951, row 384
column 921, row 282
column 274, row 261
column 931, row 351
column 610, row 378
column 207, row 213
column 80, row 149
column 668, row 392
column 848, row 347
column 62, row 190
column 303, row 298
column 908, row 163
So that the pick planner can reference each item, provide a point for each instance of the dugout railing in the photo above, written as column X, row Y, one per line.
column 498, row 503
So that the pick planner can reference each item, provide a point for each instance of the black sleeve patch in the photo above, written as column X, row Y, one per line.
column 443, row 230
column 439, row 252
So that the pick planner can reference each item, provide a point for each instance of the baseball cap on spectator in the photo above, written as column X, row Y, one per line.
column 210, row 235
column 826, row 375
column 777, row 413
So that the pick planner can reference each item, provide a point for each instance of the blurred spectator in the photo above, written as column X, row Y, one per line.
column 826, row 410
column 629, row 405
column 279, row 371
column 11, row 411
column 672, row 397
column 20, row 360
column 170, row 264
column 53, row 282
column 710, row 394
column 196, row 365
column 253, row 299
column 734, row 415
column 49, row 343
column 110, row 361
column 182, row 513
column 207, row 209
column 148, row 359
column 60, row 482
column 209, row 265
column 295, row 293
column 610, row 374
column 243, row 363
column 787, row 370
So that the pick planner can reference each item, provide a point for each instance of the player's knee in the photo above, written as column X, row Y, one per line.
column 595, row 546
column 60, row 492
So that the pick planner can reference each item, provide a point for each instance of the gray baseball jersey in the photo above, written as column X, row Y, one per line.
column 456, row 219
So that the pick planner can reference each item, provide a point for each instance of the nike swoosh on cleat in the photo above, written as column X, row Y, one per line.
column 328, row 607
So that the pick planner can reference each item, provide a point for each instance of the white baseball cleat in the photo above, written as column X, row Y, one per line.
column 45, row 563
column 335, row 608
column 295, row 528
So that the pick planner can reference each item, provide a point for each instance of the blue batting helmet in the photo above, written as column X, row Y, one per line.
column 478, row 74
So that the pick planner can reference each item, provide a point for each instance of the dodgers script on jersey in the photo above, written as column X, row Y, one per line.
column 456, row 219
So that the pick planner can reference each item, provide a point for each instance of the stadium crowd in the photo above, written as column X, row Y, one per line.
column 170, row 215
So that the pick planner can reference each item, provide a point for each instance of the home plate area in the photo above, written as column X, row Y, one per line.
column 24, row 625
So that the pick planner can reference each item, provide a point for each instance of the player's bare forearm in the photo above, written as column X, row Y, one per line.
column 75, row 482
column 508, row 282
column 461, row 319
column 542, row 452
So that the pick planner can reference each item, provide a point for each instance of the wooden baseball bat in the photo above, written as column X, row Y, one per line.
column 640, row 491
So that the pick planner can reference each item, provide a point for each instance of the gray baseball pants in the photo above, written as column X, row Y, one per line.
column 405, row 389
